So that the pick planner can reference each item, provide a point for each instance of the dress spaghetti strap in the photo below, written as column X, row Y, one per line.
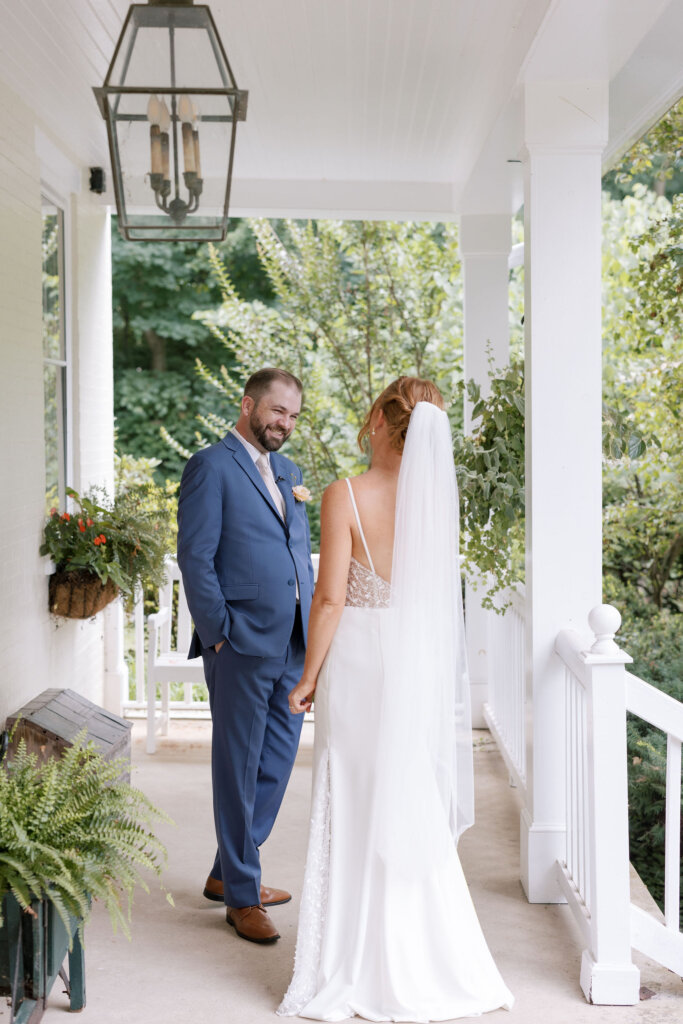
column 358, row 523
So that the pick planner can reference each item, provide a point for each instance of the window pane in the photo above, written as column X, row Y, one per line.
column 53, row 284
column 53, row 377
column 54, row 351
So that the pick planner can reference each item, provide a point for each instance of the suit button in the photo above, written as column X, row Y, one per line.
column 290, row 583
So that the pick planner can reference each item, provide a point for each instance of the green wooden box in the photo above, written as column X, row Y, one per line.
column 33, row 947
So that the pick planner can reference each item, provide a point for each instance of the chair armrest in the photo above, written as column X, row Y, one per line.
column 154, row 622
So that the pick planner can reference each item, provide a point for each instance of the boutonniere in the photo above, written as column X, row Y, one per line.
column 302, row 493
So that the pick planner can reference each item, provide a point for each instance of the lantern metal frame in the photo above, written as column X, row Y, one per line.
column 171, row 14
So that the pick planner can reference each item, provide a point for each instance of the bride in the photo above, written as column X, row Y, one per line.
column 387, row 928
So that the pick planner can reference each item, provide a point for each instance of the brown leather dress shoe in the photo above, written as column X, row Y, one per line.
column 213, row 890
column 274, row 897
column 252, row 923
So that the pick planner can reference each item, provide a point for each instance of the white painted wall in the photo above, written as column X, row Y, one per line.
column 36, row 649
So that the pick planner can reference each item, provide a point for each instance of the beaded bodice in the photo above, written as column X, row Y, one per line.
column 365, row 589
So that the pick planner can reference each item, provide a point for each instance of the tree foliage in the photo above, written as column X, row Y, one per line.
column 490, row 465
column 643, row 517
column 643, row 382
column 357, row 304
column 157, row 287
column 655, row 160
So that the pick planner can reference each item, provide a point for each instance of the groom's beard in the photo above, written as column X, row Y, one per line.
column 269, row 437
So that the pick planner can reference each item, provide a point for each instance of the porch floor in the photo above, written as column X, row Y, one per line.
column 185, row 964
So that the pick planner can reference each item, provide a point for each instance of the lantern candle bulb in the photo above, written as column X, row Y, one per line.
column 195, row 139
column 154, row 116
column 164, row 124
column 185, row 113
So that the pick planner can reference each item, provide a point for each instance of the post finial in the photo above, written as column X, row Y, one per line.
column 604, row 620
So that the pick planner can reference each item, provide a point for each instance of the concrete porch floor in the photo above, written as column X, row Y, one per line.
column 186, row 964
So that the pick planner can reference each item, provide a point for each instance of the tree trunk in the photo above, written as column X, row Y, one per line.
column 157, row 349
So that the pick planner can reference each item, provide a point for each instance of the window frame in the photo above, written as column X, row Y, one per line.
column 51, row 196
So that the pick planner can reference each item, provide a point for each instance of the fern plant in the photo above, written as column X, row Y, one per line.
column 72, row 832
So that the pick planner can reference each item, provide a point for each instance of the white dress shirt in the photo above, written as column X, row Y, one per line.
column 268, row 479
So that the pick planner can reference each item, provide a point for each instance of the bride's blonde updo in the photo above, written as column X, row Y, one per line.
column 397, row 402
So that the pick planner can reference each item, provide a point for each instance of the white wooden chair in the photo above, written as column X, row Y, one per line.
column 168, row 662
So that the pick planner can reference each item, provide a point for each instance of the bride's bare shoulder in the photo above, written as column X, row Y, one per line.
column 336, row 495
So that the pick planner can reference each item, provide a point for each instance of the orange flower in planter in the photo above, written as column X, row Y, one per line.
column 86, row 557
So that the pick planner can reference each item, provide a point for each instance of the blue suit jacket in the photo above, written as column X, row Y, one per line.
column 239, row 560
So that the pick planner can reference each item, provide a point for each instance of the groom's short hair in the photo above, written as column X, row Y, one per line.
column 260, row 382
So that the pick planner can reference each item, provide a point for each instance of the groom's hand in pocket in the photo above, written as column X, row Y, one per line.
column 218, row 646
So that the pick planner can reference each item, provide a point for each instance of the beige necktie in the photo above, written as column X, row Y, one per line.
column 263, row 466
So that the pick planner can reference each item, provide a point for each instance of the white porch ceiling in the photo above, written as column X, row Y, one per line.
column 404, row 108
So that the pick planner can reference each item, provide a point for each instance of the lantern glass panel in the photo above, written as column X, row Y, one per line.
column 201, row 146
column 161, row 44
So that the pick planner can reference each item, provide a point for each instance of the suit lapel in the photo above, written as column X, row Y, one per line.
column 246, row 463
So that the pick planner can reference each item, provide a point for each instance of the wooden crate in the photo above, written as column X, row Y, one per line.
column 50, row 722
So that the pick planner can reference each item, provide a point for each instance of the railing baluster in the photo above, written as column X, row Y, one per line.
column 585, row 820
column 505, row 710
column 139, row 612
column 672, row 843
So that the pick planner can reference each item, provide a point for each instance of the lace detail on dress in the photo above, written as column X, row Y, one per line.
column 365, row 589
column 313, row 910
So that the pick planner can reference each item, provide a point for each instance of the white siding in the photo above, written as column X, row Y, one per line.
column 37, row 650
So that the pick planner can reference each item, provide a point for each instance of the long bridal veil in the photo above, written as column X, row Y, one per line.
column 424, row 781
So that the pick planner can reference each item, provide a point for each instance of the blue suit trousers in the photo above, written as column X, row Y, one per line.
column 254, row 743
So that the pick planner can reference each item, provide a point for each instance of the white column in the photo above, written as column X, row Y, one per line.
column 94, row 398
column 485, row 248
column 565, row 132
column 93, row 346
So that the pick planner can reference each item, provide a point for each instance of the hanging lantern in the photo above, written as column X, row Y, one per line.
column 171, row 105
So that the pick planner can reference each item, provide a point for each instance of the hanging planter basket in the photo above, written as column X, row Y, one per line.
column 79, row 595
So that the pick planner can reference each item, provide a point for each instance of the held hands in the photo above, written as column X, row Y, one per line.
column 301, row 697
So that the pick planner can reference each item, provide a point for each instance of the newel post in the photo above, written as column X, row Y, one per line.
column 607, row 974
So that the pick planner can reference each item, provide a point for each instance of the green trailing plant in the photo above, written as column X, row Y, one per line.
column 490, row 466
column 72, row 832
column 124, row 540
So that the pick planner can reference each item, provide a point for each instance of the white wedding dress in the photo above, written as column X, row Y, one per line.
column 387, row 928
column 377, row 940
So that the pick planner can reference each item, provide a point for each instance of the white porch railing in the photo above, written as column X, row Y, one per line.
column 662, row 942
column 505, row 710
column 594, row 876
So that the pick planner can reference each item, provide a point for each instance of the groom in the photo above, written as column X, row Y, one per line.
column 244, row 553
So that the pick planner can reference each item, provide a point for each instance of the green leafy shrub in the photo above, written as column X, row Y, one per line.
column 654, row 639
column 71, row 831
column 490, row 465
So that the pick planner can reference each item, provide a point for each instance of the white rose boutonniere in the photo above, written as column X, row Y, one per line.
column 302, row 493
